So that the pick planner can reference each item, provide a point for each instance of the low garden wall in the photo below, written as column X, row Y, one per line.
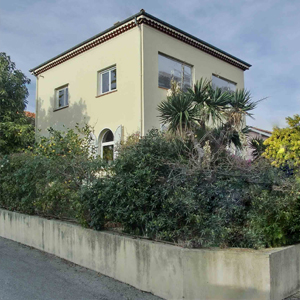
column 167, row 271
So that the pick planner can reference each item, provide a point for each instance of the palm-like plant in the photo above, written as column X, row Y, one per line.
column 199, row 92
column 215, row 105
column 240, row 105
column 209, row 102
column 203, row 105
column 179, row 112
column 257, row 146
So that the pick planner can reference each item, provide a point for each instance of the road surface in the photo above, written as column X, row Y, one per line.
column 27, row 273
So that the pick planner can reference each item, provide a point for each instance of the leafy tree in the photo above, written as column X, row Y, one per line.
column 15, row 136
column 16, row 128
column 283, row 146
column 13, row 89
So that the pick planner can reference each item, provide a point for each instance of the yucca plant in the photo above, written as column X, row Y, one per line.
column 178, row 112
column 215, row 105
column 202, row 106
column 240, row 106
column 257, row 146
column 210, row 102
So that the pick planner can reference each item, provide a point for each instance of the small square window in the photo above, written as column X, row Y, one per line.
column 61, row 97
column 107, row 81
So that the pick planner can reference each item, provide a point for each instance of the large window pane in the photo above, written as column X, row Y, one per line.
column 105, row 82
column 108, row 137
column 169, row 69
column 223, row 84
column 187, row 78
column 67, row 97
column 113, row 79
column 108, row 153
column 61, row 94
column 61, row 97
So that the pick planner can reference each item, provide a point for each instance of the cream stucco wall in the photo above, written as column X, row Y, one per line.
column 134, row 104
column 204, row 65
column 122, row 107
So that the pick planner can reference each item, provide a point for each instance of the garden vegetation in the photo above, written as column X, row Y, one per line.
column 187, row 185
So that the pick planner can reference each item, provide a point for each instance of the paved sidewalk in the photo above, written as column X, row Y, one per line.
column 27, row 273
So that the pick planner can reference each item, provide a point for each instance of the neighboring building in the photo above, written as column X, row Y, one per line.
column 115, row 80
column 256, row 133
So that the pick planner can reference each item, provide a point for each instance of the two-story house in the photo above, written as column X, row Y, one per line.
column 115, row 80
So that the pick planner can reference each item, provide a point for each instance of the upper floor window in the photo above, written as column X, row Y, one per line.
column 107, row 81
column 62, row 97
column 170, row 68
column 223, row 84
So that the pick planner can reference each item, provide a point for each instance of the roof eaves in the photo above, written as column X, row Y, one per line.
column 263, row 131
column 142, row 12
column 197, row 39
column 87, row 41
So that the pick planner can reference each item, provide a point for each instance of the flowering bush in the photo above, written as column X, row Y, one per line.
column 283, row 147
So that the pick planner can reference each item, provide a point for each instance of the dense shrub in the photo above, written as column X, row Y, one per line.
column 274, row 216
column 159, row 187
column 48, row 179
column 154, row 192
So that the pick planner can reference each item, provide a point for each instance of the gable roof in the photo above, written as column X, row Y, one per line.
column 140, row 18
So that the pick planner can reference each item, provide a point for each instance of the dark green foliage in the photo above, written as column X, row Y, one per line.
column 275, row 216
column 16, row 129
column 135, row 197
column 156, row 189
column 48, row 181
column 13, row 89
column 204, row 105
column 152, row 192
column 257, row 146
column 178, row 112
column 15, row 136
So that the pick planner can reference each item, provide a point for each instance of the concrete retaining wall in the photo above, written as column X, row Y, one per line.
column 167, row 271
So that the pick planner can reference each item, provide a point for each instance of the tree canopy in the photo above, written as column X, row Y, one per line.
column 16, row 128
column 13, row 89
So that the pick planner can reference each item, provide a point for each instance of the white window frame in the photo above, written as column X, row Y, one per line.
column 100, row 73
column 66, row 91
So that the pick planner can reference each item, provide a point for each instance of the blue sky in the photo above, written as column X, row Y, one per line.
column 264, row 33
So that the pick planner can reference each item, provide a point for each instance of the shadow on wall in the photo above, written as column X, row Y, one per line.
column 63, row 118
